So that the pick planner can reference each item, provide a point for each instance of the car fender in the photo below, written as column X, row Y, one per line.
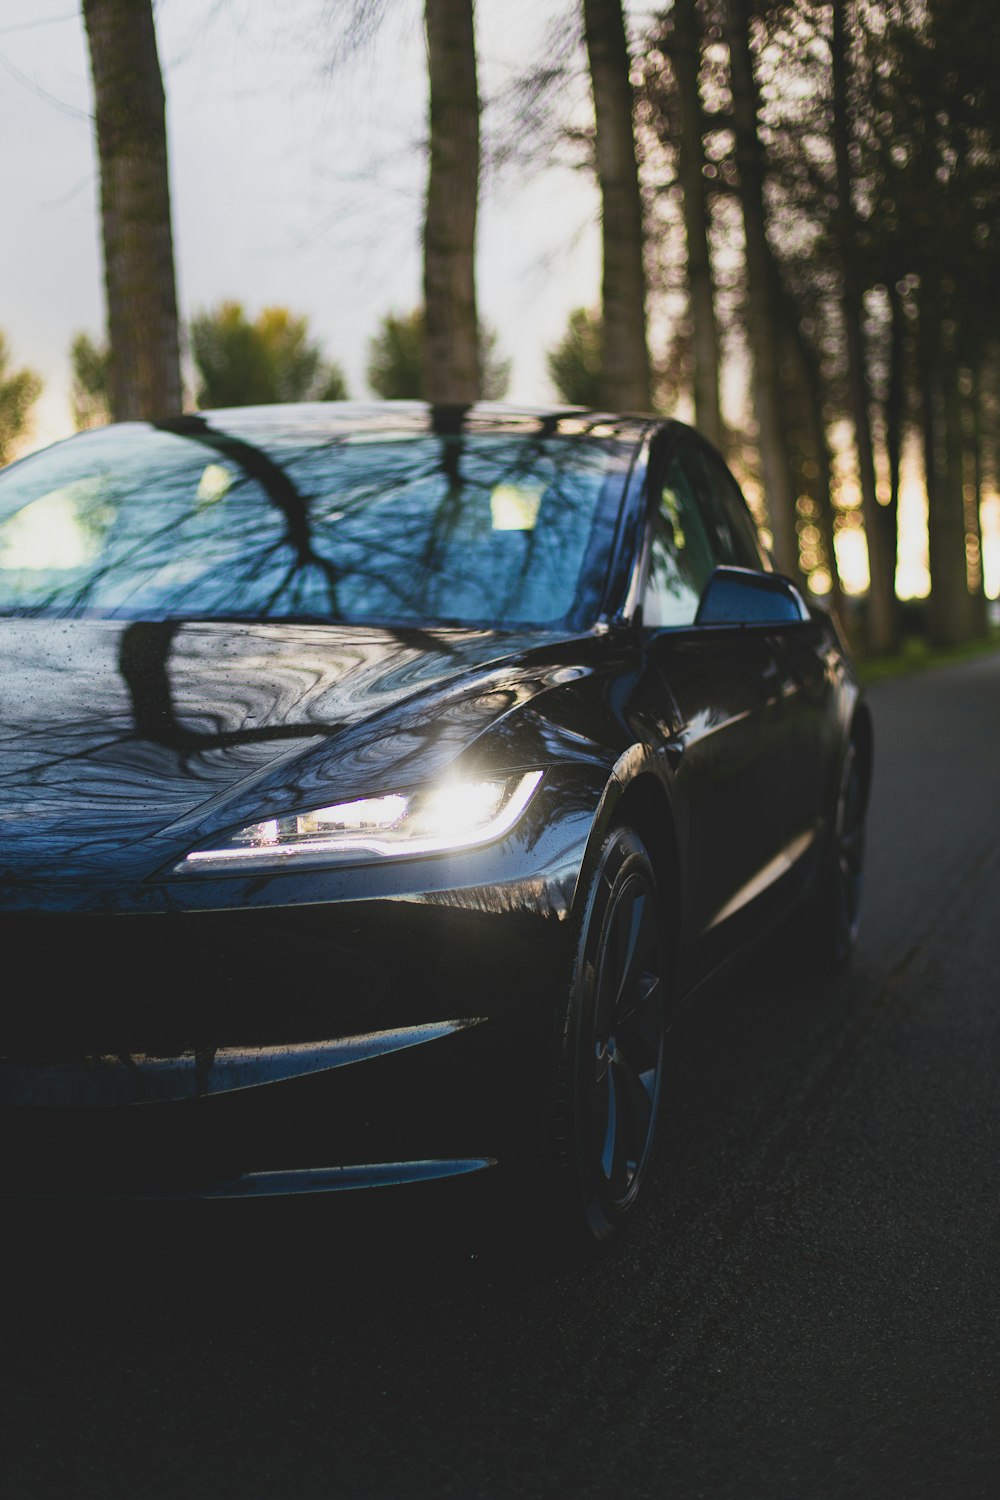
column 640, row 777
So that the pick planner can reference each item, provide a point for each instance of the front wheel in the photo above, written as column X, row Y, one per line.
column 610, row 1046
column 829, row 927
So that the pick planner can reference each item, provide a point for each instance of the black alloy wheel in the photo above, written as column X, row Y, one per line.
column 611, row 1043
column 822, row 936
column 848, row 857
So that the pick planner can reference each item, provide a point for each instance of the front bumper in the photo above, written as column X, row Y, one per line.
column 202, row 1040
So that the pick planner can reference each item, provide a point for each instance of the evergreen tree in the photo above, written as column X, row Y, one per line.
column 396, row 360
column 273, row 358
column 90, row 394
column 575, row 363
column 19, row 390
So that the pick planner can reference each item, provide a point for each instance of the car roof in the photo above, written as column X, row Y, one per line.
column 311, row 419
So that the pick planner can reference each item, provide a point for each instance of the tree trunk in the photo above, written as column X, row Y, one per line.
column 881, row 593
column 451, row 353
column 895, row 412
column 954, row 478
column 135, row 209
column 974, row 475
column 776, row 470
column 624, row 357
column 808, row 370
column 803, row 392
column 948, row 613
column 686, row 58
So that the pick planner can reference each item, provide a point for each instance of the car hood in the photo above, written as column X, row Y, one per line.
column 122, row 744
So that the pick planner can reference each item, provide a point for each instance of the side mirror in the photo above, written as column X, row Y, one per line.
column 739, row 596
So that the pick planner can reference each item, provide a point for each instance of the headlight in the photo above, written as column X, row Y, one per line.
column 454, row 815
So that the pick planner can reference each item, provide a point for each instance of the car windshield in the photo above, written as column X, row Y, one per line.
column 190, row 520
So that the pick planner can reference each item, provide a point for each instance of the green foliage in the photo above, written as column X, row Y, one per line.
column 90, row 396
column 574, row 364
column 916, row 655
column 240, row 363
column 495, row 369
column 395, row 359
column 19, row 390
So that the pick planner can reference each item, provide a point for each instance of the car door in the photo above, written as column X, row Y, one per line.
column 798, row 686
column 727, row 729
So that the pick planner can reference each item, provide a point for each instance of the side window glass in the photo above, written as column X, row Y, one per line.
column 732, row 522
column 682, row 555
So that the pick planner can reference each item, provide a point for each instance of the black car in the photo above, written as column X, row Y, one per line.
column 376, row 784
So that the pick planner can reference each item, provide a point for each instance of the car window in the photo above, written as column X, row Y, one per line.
column 734, row 531
column 684, row 551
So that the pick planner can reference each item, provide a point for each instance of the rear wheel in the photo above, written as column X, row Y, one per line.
column 611, row 1044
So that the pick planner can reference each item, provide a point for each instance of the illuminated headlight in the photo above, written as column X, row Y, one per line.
column 456, row 814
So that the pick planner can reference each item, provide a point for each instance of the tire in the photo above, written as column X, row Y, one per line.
column 610, row 1046
column 829, row 930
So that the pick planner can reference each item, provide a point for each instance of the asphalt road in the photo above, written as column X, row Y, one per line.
column 808, row 1311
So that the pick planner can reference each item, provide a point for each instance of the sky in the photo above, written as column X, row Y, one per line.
column 295, row 179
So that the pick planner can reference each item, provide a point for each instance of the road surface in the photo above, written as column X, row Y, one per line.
column 808, row 1310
